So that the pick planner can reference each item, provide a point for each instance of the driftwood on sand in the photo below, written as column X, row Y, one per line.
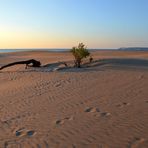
column 29, row 63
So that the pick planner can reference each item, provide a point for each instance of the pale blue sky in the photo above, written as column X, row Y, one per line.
column 64, row 23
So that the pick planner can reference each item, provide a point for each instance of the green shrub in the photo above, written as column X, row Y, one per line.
column 79, row 53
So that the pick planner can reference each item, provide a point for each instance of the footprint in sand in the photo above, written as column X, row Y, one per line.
column 62, row 121
column 105, row 114
column 97, row 110
column 123, row 104
column 23, row 132
column 59, row 122
column 138, row 143
column 20, row 132
column 92, row 110
column 69, row 118
column 30, row 133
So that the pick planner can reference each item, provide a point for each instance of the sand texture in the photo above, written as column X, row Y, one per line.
column 102, row 105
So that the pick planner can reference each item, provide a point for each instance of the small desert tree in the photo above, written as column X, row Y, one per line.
column 80, row 52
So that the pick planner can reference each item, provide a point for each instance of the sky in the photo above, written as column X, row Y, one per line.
column 65, row 23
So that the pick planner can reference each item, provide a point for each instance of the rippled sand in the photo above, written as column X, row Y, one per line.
column 104, row 105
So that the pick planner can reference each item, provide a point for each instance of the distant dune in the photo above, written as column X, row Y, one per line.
column 134, row 48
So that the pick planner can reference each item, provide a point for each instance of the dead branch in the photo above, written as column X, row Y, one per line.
column 29, row 63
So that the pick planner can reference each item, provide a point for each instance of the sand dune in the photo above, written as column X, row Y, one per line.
column 102, row 105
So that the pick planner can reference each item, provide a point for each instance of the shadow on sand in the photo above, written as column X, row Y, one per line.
column 114, row 63
column 97, row 65
column 125, row 62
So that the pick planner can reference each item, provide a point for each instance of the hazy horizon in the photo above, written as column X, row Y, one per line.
column 108, row 24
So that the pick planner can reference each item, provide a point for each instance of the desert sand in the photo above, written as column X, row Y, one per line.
column 102, row 105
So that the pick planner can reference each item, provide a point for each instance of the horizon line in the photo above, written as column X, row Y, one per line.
column 47, row 48
column 67, row 48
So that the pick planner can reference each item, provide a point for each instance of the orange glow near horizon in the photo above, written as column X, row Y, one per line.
column 30, row 39
column 14, row 40
column 27, row 38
